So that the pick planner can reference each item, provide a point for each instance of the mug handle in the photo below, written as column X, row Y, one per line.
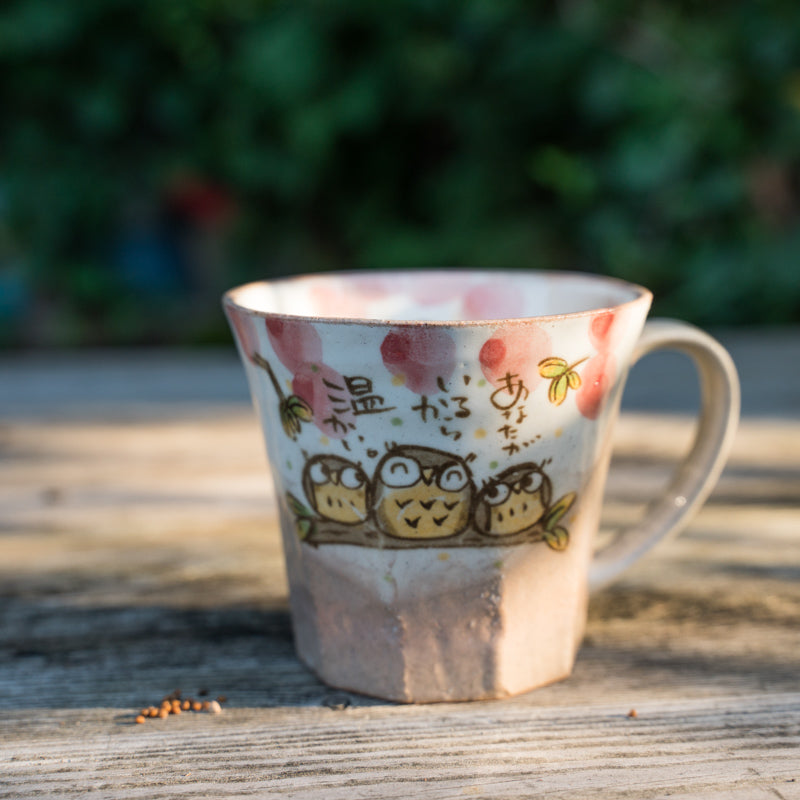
column 700, row 469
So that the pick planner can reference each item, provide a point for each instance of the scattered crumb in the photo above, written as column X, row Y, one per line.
column 633, row 713
column 174, row 703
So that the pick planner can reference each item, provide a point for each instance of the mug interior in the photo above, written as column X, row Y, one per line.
column 435, row 295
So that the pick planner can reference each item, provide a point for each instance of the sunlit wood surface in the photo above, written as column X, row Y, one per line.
column 139, row 555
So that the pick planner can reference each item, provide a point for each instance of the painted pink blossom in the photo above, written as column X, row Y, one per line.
column 600, row 328
column 434, row 289
column 424, row 357
column 295, row 342
column 607, row 329
column 244, row 329
column 376, row 286
column 513, row 354
column 597, row 378
column 323, row 389
column 493, row 301
column 349, row 299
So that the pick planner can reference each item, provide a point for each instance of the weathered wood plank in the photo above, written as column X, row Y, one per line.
column 138, row 548
column 710, row 748
column 139, row 554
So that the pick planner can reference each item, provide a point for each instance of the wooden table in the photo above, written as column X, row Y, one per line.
column 139, row 555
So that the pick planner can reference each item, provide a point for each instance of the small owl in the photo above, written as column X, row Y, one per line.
column 337, row 489
column 421, row 493
column 513, row 502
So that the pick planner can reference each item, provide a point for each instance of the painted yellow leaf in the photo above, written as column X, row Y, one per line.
column 557, row 539
column 552, row 367
column 574, row 380
column 558, row 390
column 305, row 527
column 296, row 507
column 558, row 509
column 290, row 423
column 300, row 408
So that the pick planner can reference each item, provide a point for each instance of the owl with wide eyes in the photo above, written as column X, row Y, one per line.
column 422, row 493
column 513, row 502
column 337, row 488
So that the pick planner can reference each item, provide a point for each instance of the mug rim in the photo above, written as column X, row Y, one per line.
column 641, row 294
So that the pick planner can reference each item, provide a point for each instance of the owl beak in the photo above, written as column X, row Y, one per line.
column 427, row 476
column 335, row 478
column 517, row 487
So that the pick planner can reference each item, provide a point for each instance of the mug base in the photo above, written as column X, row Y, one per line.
column 416, row 629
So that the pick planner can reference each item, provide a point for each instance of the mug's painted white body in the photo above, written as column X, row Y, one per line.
column 439, row 443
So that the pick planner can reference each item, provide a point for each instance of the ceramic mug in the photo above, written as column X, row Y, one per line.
column 439, row 443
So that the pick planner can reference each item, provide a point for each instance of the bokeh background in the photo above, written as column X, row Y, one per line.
column 156, row 152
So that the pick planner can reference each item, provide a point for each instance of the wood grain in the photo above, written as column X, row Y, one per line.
column 139, row 555
column 711, row 748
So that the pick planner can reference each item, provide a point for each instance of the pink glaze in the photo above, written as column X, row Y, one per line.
column 493, row 301
column 320, row 386
column 294, row 341
column 244, row 327
column 424, row 357
column 515, row 351
column 596, row 381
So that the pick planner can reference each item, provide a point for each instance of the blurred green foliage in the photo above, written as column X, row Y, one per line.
column 659, row 142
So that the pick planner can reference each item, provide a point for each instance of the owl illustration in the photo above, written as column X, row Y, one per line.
column 513, row 502
column 422, row 493
column 337, row 489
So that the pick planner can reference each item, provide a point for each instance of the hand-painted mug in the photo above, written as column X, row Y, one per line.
column 439, row 443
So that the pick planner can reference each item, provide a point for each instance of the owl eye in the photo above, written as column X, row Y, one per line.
column 319, row 473
column 399, row 471
column 351, row 478
column 453, row 479
column 497, row 494
column 531, row 483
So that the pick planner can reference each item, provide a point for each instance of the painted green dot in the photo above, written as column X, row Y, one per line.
column 482, row 382
column 498, row 564
column 492, row 465
column 396, row 421
column 288, row 464
column 314, row 368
